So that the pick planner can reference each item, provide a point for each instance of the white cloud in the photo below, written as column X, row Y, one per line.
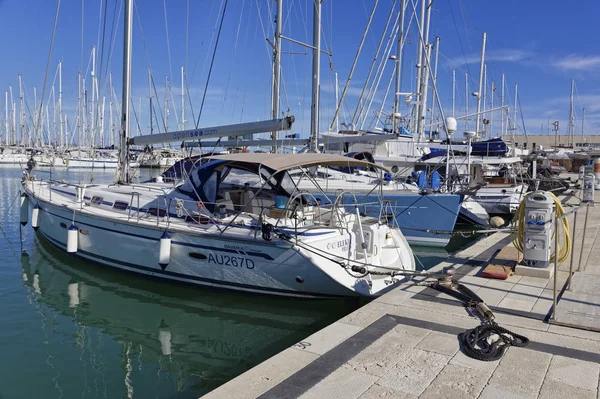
column 577, row 62
column 500, row 55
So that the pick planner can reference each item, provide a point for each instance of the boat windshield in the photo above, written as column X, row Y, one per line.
column 217, row 180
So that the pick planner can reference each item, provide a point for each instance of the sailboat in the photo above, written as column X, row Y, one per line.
column 213, row 232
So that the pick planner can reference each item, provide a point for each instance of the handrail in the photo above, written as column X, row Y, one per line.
column 556, row 220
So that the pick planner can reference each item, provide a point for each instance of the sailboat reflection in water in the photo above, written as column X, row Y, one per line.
column 168, row 339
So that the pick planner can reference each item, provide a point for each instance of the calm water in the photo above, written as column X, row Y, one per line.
column 71, row 329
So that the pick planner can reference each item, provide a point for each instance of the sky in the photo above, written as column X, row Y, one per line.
column 541, row 45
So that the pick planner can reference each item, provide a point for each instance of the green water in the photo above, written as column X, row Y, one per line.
column 72, row 329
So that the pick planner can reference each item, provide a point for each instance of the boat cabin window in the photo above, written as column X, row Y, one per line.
column 154, row 211
column 96, row 200
column 120, row 205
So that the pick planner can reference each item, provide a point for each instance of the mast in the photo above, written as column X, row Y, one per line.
column 571, row 116
column 398, row 76
column 582, row 122
column 182, row 100
column 337, row 98
column 502, row 104
column 167, row 103
column 453, row 91
column 22, row 120
column 123, row 166
column 150, row 99
column 316, row 77
column 466, row 100
column 479, row 94
column 7, row 136
column 93, row 122
column 110, row 111
column 276, row 69
column 435, row 69
column 36, row 121
column 60, row 120
column 514, row 124
column 14, row 117
column 492, row 107
column 79, row 110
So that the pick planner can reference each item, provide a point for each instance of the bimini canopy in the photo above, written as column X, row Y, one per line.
column 281, row 162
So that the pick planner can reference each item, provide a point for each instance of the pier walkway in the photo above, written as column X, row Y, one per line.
column 405, row 345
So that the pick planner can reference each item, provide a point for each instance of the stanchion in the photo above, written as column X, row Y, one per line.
column 572, row 250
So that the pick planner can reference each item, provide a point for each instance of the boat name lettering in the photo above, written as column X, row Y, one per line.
column 343, row 244
column 235, row 261
column 193, row 133
column 234, row 247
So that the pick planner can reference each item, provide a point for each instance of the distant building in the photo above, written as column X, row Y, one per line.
column 532, row 141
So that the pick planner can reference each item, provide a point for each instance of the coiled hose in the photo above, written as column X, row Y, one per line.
column 564, row 239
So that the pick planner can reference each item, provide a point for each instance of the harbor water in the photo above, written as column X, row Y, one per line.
column 73, row 329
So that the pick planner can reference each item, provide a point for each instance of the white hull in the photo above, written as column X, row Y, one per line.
column 14, row 159
column 500, row 200
column 95, row 163
column 239, row 260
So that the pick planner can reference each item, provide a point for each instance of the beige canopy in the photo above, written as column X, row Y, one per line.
column 279, row 162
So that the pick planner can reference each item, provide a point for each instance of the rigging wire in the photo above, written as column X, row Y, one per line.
column 234, row 51
column 211, row 64
column 149, row 65
column 383, row 35
column 116, row 18
column 335, row 116
column 103, row 41
column 48, row 64
column 168, row 41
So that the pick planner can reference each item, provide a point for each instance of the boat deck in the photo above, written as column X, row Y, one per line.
column 404, row 344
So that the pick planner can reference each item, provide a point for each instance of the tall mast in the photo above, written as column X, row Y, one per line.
column 398, row 76
column 453, row 91
column 36, row 121
column 60, row 120
column 13, row 117
column 276, row 69
column 316, row 77
column 167, row 103
column 182, row 100
column 479, row 93
column 6, row 137
column 502, row 104
column 150, row 99
column 79, row 111
column 582, row 122
column 466, row 101
column 435, row 69
column 110, row 111
column 483, row 105
column 93, row 122
column 571, row 116
column 123, row 169
column 514, row 124
column 22, row 120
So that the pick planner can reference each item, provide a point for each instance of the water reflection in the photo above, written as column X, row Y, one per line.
column 170, row 340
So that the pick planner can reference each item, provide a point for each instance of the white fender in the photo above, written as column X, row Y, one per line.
column 164, row 254
column 35, row 217
column 24, row 209
column 72, row 238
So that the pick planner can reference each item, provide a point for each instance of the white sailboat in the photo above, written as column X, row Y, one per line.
column 212, row 232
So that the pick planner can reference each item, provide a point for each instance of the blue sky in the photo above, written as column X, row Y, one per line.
column 539, row 44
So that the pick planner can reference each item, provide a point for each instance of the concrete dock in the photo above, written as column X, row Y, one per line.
column 405, row 343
